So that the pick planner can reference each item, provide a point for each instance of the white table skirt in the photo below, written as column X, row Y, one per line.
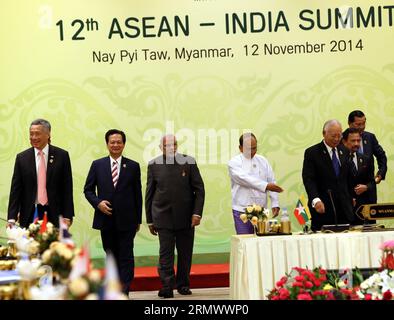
column 256, row 263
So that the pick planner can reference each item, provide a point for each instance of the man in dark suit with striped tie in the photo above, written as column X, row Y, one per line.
column 113, row 188
column 325, row 174
column 362, row 172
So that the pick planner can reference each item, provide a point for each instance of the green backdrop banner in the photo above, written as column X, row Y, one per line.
column 205, row 70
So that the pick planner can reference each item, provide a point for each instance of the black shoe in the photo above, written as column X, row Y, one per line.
column 166, row 293
column 184, row 291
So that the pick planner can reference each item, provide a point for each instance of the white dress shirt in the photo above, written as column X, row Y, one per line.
column 249, row 179
column 354, row 158
column 329, row 149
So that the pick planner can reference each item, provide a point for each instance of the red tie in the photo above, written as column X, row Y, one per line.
column 42, row 196
column 115, row 173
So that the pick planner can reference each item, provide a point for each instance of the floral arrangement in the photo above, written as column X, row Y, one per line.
column 316, row 284
column 387, row 261
column 59, row 257
column 379, row 286
column 45, row 238
column 28, row 246
column 254, row 213
column 86, row 287
column 16, row 232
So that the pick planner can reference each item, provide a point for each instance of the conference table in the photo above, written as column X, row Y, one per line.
column 257, row 263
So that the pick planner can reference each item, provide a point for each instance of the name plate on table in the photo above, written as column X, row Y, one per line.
column 273, row 234
column 377, row 211
column 9, row 276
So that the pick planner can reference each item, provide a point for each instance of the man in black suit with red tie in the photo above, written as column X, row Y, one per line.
column 326, row 178
column 42, row 177
column 113, row 188
column 362, row 172
column 174, row 203
column 369, row 145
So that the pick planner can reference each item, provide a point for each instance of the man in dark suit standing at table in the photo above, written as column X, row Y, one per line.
column 42, row 177
column 326, row 179
column 369, row 146
column 362, row 172
column 174, row 203
column 113, row 188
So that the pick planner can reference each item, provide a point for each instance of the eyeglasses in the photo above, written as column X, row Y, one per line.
column 168, row 145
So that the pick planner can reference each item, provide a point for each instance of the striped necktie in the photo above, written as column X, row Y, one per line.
column 115, row 175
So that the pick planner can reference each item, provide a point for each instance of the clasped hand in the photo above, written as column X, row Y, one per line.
column 105, row 207
column 273, row 187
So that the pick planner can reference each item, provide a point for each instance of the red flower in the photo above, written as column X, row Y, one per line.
column 319, row 293
column 307, row 273
column 330, row 296
column 308, row 284
column 304, row 296
column 368, row 296
column 284, row 294
column 317, row 283
column 390, row 261
column 322, row 271
column 299, row 278
column 298, row 284
column 345, row 291
column 275, row 298
column 387, row 295
column 280, row 283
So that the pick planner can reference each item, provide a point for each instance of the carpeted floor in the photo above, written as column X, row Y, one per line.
column 201, row 276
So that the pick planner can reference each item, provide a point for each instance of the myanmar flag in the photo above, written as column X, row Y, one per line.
column 301, row 211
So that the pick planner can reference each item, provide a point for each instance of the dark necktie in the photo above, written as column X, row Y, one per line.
column 335, row 162
column 361, row 149
column 353, row 165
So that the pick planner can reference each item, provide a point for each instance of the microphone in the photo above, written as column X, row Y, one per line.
column 333, row 206
column 334, row 227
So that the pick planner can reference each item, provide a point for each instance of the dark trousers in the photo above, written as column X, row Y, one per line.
column 121, row 244
column 183, row 241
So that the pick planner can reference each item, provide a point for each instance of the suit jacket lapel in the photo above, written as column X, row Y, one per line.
column 123, row 167
column 342, row 157
column 326, row 157
column 108, row 170
column 360, row 162
column 51, row 163
column 32, row 160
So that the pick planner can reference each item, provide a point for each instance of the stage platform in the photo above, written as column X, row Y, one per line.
column 201, row 276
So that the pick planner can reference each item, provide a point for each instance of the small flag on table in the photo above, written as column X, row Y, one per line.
column 112, row 286
column 35, row 217
column 44, row 223
column 82, row 263
column 64, row 234
column 301, row 211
